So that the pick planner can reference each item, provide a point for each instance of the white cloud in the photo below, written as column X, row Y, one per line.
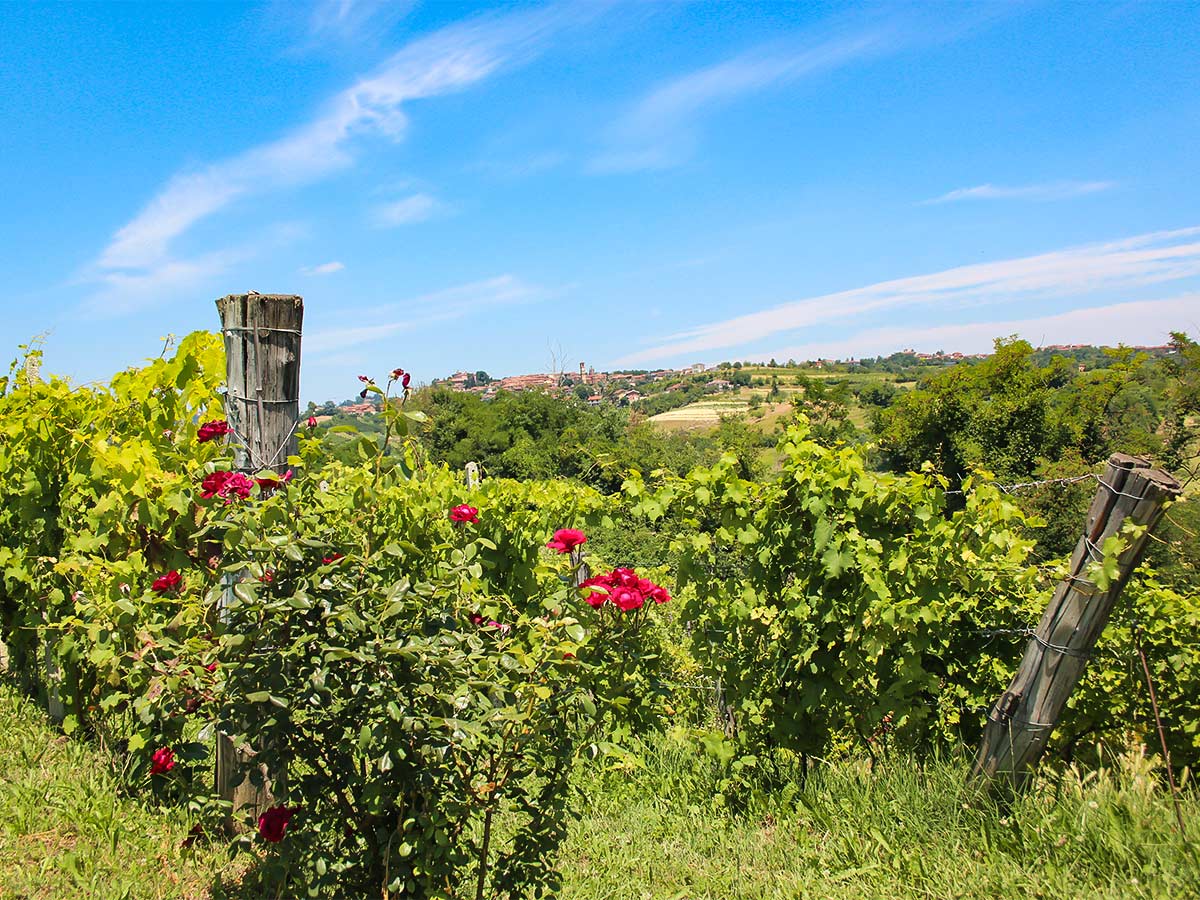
column 1058, row 190
column 1139, row 322
column 445, row 61
column 324, row 268
column 1137, row 261
column 415, row 312
column 660, row 130
column 355, row 19
column 406, row 211
column 126, row 291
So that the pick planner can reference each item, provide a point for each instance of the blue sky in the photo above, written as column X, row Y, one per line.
column 456, row 186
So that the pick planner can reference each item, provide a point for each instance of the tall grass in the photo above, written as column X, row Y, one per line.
column 896, row 831
column 663, row 825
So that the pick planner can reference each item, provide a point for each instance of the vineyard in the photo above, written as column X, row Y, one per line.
column 363, row 674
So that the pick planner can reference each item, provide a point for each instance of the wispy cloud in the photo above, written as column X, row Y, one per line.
column 1057, row 190
column 355, row 19
column 1137, row 261
column 445, row 61
column 456, row 302
column 324, row 268
column 123, row 291
column 661, row 129
column 1144, row 322
column 407, row 211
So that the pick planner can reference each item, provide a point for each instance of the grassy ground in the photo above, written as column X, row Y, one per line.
column 656, row 833
column 66, row 831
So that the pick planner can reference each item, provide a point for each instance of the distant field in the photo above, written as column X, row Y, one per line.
column 706, row 413
column 702, row 414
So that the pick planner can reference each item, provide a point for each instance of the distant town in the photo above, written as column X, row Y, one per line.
column 630, row 387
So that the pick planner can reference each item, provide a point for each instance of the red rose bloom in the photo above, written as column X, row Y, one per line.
column 165, row 584
column 405, row 380
column 567, row 539
column 658, row 594
column 227, row 485
column 273, row 481
column 312, row 421
column 596, row 590
column 463, row 514
column 163, row 761
column 625, row 578
column 397, row 374
column 212, row 430
column 475, row 619
column 364, row 379
column 274, row 822
column 627, row 599
column 326, row 560
column 211, row 667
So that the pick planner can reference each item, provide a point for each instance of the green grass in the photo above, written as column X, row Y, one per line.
column 66, row 830
column 656, row 831
column 893, row 833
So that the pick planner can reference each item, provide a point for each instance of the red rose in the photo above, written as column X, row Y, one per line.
column 211, row 667
column 227, row 485
column 165, row 584
column 405, row 380
column 273, row 481
column 627, row 599
column 364, row 379
column 212, row 430
column 162, row 761
column 463, row 514
column 312, row 421
column 659, row 594
column 326, row 560
column 625, row 578
column 596, row 590
column 567, row 539
column 274, row 822
column 397, row 374
column 194, row 835
column 475, row 619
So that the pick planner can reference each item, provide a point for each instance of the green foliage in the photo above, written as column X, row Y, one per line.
column 533, row 435
column 857, row 599
column 839, row 606
column 405, row 678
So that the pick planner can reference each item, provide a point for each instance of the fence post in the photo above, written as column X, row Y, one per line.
column 472, row 471
column 1021, row 721
column 262, row 406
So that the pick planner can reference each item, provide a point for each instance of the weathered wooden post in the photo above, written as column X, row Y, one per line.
column 1020, row 723
column 472, row 472
column 262, row 406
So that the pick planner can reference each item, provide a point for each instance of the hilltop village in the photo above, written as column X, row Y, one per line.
column 659, row 390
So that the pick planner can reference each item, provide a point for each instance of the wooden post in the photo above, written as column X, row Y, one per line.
column 262, row 374
column 262, row 406
column 472, row 470
column 1020, row 723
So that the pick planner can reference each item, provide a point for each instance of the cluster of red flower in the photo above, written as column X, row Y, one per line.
column 624, row 589
column 227, row 485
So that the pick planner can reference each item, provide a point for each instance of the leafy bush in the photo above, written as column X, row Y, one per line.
column 841, row 605
column 404, row 658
